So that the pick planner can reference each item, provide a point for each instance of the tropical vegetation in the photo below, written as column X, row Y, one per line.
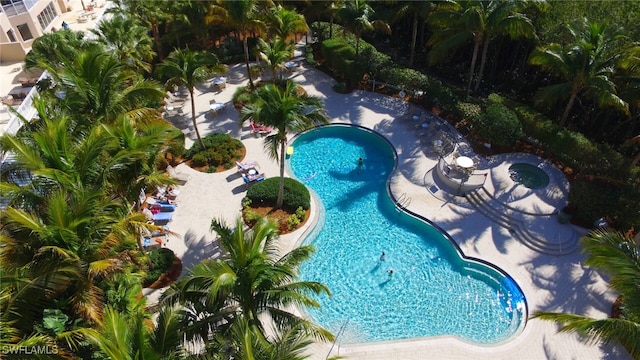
column 286, row 109
column 252, row 280
column 72, row 260
column 618, row 256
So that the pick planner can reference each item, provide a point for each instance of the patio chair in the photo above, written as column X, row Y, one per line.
column 259, row 129
column 252, row 179
column 163, row 207
column 159, row 217
column 181, row 177
column 244, row 167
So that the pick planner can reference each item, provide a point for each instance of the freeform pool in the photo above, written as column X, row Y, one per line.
column 530, row 176
column 432, row 291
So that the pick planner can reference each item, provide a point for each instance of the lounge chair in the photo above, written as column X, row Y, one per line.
column 181, row 177
column 163, row 207
column 259, row 129
column 244, row 167
column 251, row 179
column 159, row 217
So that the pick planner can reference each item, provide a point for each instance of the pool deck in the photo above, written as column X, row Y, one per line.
column 555, row 283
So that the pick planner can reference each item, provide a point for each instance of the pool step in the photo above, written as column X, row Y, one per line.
column 523, row 226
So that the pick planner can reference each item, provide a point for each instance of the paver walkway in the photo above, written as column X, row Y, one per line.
column 557, row 283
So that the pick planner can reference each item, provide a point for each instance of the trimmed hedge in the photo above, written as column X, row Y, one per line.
column 341, row 56
column 499, row 125
column 266, row 193
column 593, row 198
column 221, row 150
column 572, row 148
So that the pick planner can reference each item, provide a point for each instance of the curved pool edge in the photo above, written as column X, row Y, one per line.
column 398, row 204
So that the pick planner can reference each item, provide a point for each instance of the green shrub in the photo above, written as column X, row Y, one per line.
column 308, row 55
column 221, row 150
column 162, row 260
column 241, row 96
column 448, row 98
column 301, row 213
column 499, row 125
column 469, row 111
column 571, row 148
column 340, row 88
column 320, row 30
column 593, row 198
column 375, row 62
column 250, row 215
column 404, row 78
column 341, row 57
column 292, row 222
column 199, row 159
column 496, row 98
column 265, row 193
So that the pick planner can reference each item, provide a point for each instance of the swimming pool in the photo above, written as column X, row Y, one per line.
column 432, row 290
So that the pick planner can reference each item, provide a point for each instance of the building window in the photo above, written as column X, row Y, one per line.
column 25, row 32
column 11, row 36
column 47, row 16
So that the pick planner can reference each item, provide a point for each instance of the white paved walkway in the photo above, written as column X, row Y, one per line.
column 549, row 283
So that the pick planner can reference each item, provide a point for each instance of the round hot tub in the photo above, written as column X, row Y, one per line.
column 529, row 176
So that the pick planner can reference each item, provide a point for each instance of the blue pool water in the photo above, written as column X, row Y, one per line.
column 432, row 291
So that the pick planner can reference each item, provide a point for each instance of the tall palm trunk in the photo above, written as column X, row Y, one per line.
column 283, row 144
column 483, row 61
column 246, row 60
column 414, row 36
column 193, row 118
column 156, row 38
column 572, row 99
column 474, row 58
column 331, row 27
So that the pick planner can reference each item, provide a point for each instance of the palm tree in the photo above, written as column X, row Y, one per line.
column 134, row 336
column 459, row 22
column 323, row 10
column 586, row 66
column 243, row 15
column 283, row 23
column 129, row 42
column 97, row 86
column 64, row 230
column 57, row 48
column 618, row 255
column 149, row 13
column 275, row 54
column 356, row 19
column 418, row 11
column 252, row 280
column 244, row 342
column 188, row 68
column 285, row 109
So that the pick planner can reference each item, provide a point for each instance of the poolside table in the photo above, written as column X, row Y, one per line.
column 464, row 162
column 216, row 107
column 220, row 82
column 290, row 65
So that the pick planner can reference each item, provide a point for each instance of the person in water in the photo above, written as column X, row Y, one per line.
column 360, row 162
column 390, row 272
column 382, row 257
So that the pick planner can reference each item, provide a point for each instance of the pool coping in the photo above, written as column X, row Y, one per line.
column 313, row 226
